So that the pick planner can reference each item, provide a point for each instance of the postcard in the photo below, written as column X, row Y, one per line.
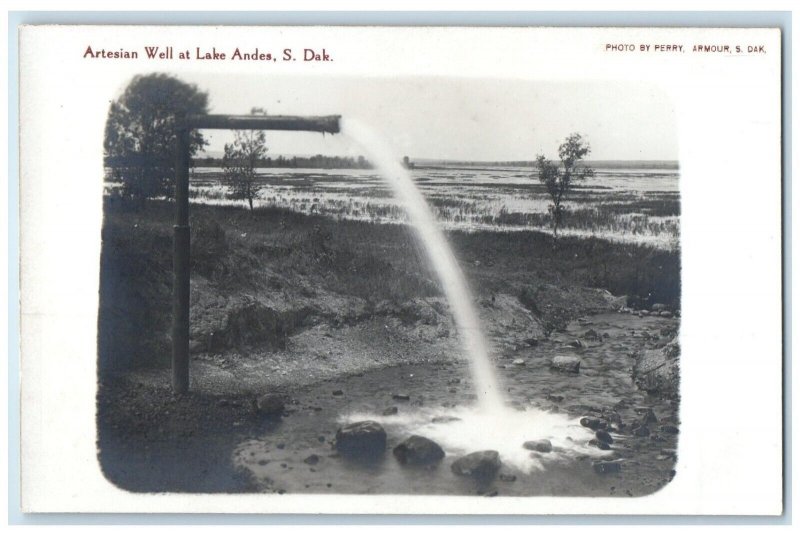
column 450, row 270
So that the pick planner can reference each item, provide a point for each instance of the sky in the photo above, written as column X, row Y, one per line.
column 456, row 118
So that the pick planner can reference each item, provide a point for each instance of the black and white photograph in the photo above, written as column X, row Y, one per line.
column 484, row 300
column 276, row 269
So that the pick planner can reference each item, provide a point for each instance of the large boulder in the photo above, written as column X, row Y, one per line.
column 364, row 439
column 566, row 363
column 657, row 371
column 482, row 465
column 418, row 450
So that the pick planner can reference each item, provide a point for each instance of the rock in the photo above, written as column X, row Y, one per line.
column 361, row 439
column 532, row 341
column 338, row 392
column 669, row 429
column 592, row 423
column 504, row 477
column 591, row 335
column 418, row 450
column 444, row 418
column 403, row 397
column 312, row 460
column 390, row 411
column 566, row 363
column 555, row 398
column 270, row 405
column 542, row 445
column 577, row 343
column 657, row 371
column 606, row 468
column 665, row 314
column 604, row 436
column 658, row 307
column 518, row 362
column 649, row 417
column 641, row 431
column 482, row 465
column 602, row 445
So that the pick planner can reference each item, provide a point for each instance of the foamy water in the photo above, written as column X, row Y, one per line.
column 442, row 259
column 503, row 430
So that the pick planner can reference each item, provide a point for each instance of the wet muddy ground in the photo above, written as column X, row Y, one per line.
column 203, row 442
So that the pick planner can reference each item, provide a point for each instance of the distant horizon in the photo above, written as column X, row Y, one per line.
column 428, row 160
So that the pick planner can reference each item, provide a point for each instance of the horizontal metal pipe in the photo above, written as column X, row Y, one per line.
column 326, row 123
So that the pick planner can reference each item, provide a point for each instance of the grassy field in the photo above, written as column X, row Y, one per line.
column 281, row 251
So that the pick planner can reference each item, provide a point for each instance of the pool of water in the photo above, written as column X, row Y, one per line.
column 436, row 400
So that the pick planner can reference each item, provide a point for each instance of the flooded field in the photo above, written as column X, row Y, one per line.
column 624, row 204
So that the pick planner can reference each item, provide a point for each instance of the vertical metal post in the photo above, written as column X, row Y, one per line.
column 180, row 264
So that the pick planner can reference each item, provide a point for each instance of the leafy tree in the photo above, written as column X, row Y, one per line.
column 240, row 161
column 558, row 179
column 140, row 139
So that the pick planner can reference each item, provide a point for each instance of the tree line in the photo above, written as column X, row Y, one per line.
column 280, row 161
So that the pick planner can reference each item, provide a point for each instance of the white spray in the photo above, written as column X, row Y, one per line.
column 441, row 257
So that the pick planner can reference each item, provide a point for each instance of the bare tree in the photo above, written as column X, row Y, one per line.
column 559, row 179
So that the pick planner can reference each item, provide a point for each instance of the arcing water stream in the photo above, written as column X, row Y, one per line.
column 442, row 259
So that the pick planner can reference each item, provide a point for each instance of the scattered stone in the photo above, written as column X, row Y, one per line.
column 665, row 314
column 505, row 477
column 361, row 439
column 532, row 341
column 672, row 452
column 591, row 335
column 658, row 307
column 669, row 429
column 482, row 465
column 280, row 446
column 604, row 436
column 312, row 460
column 592, row 423
column 418, row 450
column 542, row 445
column 321, row 439
column 390, row 411
column 491, row 493
column 641, row 431
column 566, row 363
column 657, row 371
column 271, row 405
column 444, row 418
column 606, row 468
column 555, row 398
column 649, row 417
column 338, row 392
column 602, row 445
column 577, row 343
column 403, row 397
column 518, row 362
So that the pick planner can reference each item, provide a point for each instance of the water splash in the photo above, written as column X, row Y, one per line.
column 463, row 430
column 441, row 257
